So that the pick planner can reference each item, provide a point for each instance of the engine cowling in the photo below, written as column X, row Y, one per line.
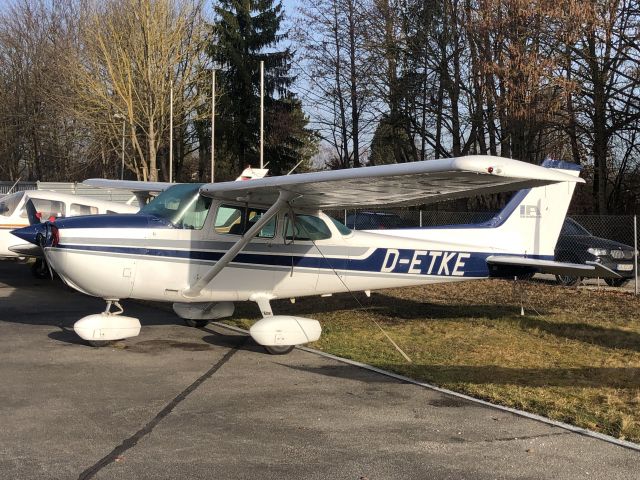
column 285, row 330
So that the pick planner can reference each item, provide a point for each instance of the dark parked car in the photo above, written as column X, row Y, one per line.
column 577, row 245
column 374, row 221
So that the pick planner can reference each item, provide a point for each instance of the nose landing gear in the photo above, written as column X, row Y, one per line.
column 102, row 328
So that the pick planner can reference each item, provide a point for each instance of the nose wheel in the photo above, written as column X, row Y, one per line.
column 40, row 269
column 278, row 349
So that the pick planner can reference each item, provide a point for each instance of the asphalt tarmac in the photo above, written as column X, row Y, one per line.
column 178, row 402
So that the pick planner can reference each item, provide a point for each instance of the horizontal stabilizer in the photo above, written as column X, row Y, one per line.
column 591, row 269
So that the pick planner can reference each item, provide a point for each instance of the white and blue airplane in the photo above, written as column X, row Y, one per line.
column 204, row 246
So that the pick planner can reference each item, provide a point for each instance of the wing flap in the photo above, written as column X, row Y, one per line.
column 591, row 269
column 393, row 185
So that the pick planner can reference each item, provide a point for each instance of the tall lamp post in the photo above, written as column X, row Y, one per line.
column 119, row 116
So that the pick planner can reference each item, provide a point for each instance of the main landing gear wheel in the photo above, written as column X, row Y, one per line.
column 98, row 343
column 616, row 282
column 196, row 323
column 279, row 349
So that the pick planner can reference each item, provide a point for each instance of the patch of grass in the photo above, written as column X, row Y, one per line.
column 574, row 356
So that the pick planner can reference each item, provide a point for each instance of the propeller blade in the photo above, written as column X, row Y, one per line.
column 32, row 213
column 43, row 240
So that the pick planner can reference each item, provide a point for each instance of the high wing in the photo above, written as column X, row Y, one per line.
column 392, row 185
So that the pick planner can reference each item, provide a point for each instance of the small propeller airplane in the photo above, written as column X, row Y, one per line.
column 43, row 205
column 204, row 246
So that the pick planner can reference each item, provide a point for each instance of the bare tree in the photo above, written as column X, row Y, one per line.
column 604, row 63
column 133, row 52
column 37, row 139
column 335, row 67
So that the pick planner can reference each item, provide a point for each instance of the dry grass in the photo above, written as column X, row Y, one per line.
column 574, row 356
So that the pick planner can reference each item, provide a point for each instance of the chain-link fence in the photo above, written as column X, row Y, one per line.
column 610, row 240
column 10, row 187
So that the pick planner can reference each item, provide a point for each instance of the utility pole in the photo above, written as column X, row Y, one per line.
column 119, row 116
column 261, row 113
column 171, row 134
column 213, row 122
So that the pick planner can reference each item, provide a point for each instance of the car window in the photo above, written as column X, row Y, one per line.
column 306, row 227
column 571, row 227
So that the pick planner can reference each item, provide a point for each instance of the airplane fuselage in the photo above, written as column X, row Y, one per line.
column 134, row 258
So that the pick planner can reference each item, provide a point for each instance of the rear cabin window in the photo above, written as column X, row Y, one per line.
column 306, row 227
column 79, row 209
column 234, row 220
column 342, row 228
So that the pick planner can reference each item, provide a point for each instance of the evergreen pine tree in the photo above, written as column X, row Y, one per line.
column 246, row 32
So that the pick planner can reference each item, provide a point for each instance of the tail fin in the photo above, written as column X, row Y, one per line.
column 536, row 215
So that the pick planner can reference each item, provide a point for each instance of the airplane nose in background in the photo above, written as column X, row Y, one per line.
column 30, row 233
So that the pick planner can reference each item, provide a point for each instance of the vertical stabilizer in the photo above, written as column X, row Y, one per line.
column 536, row 215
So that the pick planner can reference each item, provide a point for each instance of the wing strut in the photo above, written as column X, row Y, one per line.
column 282, row 201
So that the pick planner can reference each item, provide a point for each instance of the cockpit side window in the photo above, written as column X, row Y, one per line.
column 195, row 213
column 236, row 220
column 306, row 227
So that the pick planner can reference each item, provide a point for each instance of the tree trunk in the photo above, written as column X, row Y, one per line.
column 600, row 138
column 152, row 162
column 353, row 82
column 344, row 161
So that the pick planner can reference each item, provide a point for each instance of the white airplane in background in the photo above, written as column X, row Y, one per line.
column 205, row 246
column 47, row 206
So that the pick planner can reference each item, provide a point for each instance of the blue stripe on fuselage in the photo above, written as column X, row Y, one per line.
column 119, row 220
column 382, row 260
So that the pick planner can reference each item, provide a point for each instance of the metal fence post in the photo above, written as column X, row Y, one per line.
column 345, row 216
column 421, row 218
column 635, row 249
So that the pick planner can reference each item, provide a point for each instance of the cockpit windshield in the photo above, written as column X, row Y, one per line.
column 181, row 205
